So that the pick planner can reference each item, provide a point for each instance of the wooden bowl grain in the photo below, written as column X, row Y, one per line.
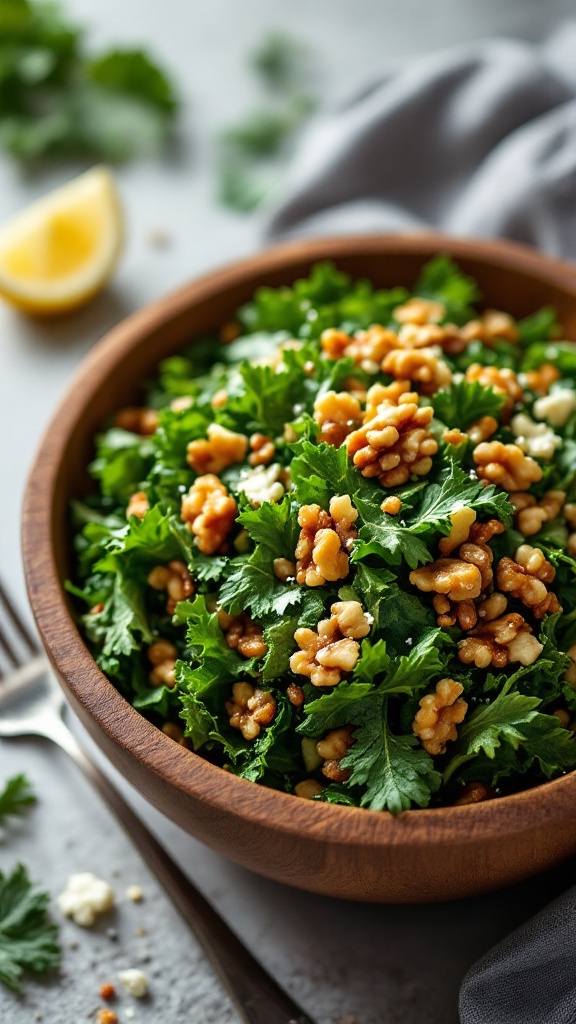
column 423, row 855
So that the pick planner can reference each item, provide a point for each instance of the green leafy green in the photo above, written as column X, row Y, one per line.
column 16, row 796
column 486, row 727
column 28, row 940
column 56, row 101
column 465, row 402
column 281, row 644
column 251, row 583
column 442, row 281
column 395, row 771
column 383, row 536
column 280, row 61
column 540, row 326
column 273, row 524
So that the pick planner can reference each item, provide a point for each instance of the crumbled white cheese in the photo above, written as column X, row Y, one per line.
column 134, row 893
column 129, row 1012
column 535, row 439
column 262, row 484
column 85, row 897
column 135, row 982
column 556, row 407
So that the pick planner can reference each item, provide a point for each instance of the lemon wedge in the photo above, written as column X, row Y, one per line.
column 61, row 250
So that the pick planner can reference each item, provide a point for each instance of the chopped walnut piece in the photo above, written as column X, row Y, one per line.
column 219, row 398
column 474, row 793
column 162, row 655
column 209, row 512
column 175, row 579
column 325, row 538
column 391, row 505
column 498, row 324
column 454, row 436
column 106, row 1017
column 457, row 579
column 482, row 429
column 525, row 580
column 262, row 450
column 395, row 443
column 504, row 640
column 540, row 380
column 137, row 420
column 531, row 515
column 324, row 656
column 461, row 521
column 221, row 449
column 503, row 381
column 337, row 414
column 366, row 348
column 284, row 569
column 448, row 612
column 181, row 403
column 332, row 749
column 308, row 789
column 174, row 732
column 242, row 634
column 494, row 324
column 250, row 709
column 396, row 393
column 440, row 712
column 492, row 607
column 420, row 336
column 506, row 465
column 419, row 365
column 419, row 311
column 138, row 505
column 295, row 695
column 473, row 566
column 570, row 514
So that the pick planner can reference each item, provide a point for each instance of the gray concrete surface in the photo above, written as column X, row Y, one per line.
column 370, row 964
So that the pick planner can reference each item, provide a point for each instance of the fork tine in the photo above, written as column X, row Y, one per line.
column 25, row 635
column 8, row 651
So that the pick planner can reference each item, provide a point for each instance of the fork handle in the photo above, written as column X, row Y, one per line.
column 258, row 998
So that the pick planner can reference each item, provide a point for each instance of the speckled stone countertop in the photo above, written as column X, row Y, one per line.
column 345, row 963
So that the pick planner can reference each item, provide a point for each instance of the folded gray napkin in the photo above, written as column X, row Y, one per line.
column 479, row 140
column 530, row 977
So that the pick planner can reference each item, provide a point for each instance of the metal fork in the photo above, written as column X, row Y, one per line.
column 32, row 705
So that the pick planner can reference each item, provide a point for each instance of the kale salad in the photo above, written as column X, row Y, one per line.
column 334, row 551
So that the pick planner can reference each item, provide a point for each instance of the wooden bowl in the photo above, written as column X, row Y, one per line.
column 422, row 855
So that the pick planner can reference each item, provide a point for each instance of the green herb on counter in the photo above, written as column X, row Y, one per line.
column 56, row 100
column 27, row 938
column 16, row 796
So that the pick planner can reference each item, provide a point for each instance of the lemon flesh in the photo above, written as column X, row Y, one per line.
column 62, row 250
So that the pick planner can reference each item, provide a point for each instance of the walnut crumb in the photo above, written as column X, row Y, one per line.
column 333, row 650
column 250, row 709
column 440, row 712
column 325, row 539
column 209, row 512
column 394, row 444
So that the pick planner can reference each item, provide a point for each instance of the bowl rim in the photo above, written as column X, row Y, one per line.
column 182, row 769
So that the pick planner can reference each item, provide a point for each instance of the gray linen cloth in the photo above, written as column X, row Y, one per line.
column 479, row 140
